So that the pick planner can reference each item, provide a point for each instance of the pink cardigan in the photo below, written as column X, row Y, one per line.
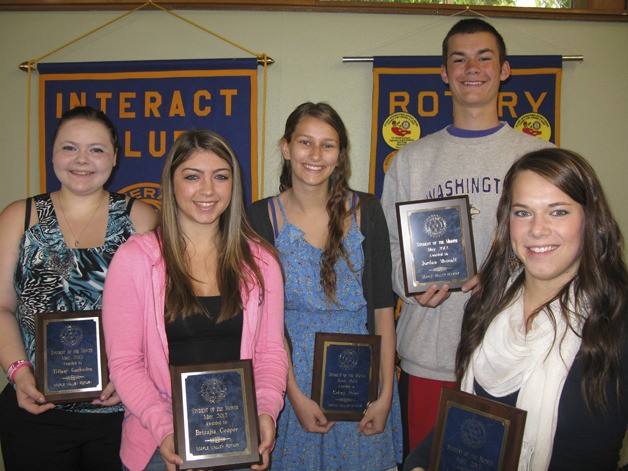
column 137, row 347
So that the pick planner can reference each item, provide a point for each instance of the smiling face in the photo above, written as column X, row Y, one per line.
column 546, row 230
column 83, row 155
column 473, row 69
column 202, row 190
column 313, row 152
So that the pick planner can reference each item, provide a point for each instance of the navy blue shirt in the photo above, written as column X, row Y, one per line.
column 583, row 440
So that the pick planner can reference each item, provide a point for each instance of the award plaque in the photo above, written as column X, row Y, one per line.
column 476, row 433
column 345, row 374
column 215, row 415
column 436, row 243
column 71, row 364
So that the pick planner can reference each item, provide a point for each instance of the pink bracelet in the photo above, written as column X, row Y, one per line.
column 15, row 366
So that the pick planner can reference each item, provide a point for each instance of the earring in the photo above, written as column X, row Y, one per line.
column 514, row 264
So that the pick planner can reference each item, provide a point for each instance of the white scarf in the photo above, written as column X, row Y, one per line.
column 510, row 360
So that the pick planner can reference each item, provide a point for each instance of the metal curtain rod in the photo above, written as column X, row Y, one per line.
column 260, row 61
column 569, row 58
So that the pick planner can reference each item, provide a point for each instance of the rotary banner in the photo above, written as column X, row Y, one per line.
column 410, row 100
column 151, row 103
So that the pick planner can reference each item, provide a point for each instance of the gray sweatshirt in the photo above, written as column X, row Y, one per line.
column 437, row 166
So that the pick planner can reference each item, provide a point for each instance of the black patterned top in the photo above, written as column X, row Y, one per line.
column 50, row 276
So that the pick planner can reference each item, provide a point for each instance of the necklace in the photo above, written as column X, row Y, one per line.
column 76, row 239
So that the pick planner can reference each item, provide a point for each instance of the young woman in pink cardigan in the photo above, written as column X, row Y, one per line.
column 202, row 287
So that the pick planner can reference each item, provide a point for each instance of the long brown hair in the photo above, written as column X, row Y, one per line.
column 599, row 287
column 338, row 189
column 236, row 262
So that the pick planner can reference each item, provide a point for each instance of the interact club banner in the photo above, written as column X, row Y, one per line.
column 410, row 100
column 151, row 103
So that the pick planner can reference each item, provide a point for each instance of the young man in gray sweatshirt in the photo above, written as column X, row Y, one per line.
column 471, row 157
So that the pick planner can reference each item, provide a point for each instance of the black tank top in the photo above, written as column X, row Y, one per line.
column 199, row 339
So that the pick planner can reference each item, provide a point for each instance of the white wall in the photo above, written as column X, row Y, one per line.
column 308, row 50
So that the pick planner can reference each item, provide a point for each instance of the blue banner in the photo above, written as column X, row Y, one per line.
column 151, row 103
column 410, row 100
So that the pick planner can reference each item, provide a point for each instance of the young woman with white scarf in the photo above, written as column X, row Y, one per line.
column 546, row 331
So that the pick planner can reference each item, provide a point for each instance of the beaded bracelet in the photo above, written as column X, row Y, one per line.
column 15, row 366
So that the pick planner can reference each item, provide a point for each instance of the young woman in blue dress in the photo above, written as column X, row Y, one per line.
column 334, row 247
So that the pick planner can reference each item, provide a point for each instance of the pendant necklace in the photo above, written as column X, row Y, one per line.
column 76, row 239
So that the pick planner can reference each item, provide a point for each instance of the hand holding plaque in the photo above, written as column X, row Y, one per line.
column 71, row 363
column 346, row 374
column 215, row 415
column 473, row 432
column 436, row 243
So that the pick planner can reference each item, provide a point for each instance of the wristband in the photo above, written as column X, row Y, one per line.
column 15, row 366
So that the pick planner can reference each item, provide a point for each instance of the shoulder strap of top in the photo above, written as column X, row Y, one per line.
column 45, row 211
column 283, row 213
column 27, row 217
column 354, row 204
column 129, row 205
column 118, row 206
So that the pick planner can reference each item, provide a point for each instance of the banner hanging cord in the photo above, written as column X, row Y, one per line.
column 260, row 191
column 28, row 131
column 31, row 64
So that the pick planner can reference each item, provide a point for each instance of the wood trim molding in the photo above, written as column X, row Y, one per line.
column 592, row 10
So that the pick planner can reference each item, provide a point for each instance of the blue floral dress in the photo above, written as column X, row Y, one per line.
column 50, row 276
column 307, row 312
